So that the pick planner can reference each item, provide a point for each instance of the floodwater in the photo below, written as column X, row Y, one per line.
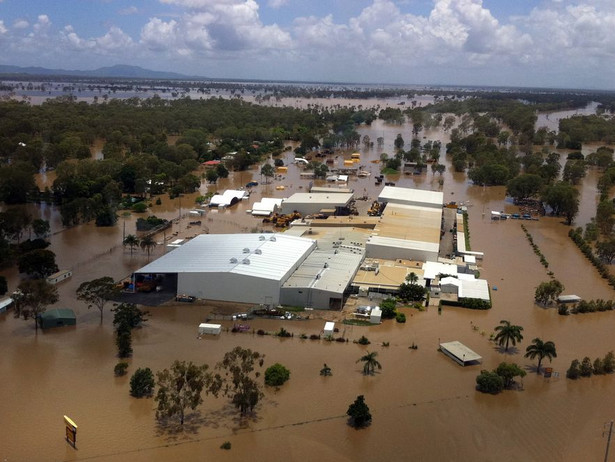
column 424, row 406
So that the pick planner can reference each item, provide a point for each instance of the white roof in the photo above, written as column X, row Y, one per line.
column 320, row 198
column 411, row 196
column 471, row 259
column 329, row 325
column 431, row 269
column 450, row 280
column 269, row 256
column 476, row 288
column 226, row 197
column 266, row 206
column 5, row 302
column 460, row 351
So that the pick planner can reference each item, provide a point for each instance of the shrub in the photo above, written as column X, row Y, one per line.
column 139, row 207
column 363, row 340
column 260, row 332
column 598, row 366
column 303, row 336
column 609, row 363
column 562, row 309
column 586, row 369
column 388, row 306
column 400, row 317
column 276, row 375
column 120, row 368
column 314, row 337
column 489, row 382
column 142, row 383
column 283, row 333
column 340, row 339
column 226, row 445
column 573, row 371
column 359, row 413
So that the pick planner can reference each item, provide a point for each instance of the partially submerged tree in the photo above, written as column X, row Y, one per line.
column 359, row 413
column 148, row 244
column 548, row 292
column 39, row 263
column 180, row 388
column 97, row 293
column 239, row 380
column 326, row 371
column 539, row 349
column 370, row 363
column 142, row 383
column 276, row 375
column 508, row 372
column 32, row 298
column 507, row 332
column 489, row 382
column 131, row 241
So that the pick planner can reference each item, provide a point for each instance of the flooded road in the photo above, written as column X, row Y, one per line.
column 424, row 406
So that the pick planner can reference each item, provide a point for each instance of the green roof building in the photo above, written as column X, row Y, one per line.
column 57, row 318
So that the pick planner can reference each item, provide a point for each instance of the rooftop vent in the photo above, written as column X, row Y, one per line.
column 246, row 250
column 272, row 239
column 246, row 261
column 233, row 260
column 261, row 238
column 258, row 251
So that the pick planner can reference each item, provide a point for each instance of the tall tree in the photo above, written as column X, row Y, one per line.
column 370, row 363
column 97, row 293
column 131, row 241
column 239, row 381
column 148, row 244
column 180, row 388
column 507, row 332
column 563, row 198
column 541, row 350
column 547, row 292
column 38, row 263
column 32, row 298
column 268, row 172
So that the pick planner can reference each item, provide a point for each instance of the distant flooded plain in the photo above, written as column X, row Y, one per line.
column 424, row 406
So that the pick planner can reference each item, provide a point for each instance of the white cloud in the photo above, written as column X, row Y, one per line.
column 128, row 11
column 3, row 29
column 21, row 24
column 277, row 3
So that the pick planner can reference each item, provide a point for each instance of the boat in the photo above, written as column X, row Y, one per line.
column 363, row 173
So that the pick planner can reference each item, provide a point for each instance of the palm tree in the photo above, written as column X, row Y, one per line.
column 131, row 241
column 542, row 350
column 507, row 332
column 147, row 244
column 371, row 363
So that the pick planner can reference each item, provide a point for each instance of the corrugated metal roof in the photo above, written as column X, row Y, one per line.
column 411, row 196
column 478, row 288
column 319, row 198
column 326, row 270
column 268, row 256
column 432, row 269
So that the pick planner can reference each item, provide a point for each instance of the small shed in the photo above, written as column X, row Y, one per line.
column 329, row 329
column 460, row 353
column 58, row 317
column 59, row 276
column 210, row 329
column 375, row 315
column 5, row 303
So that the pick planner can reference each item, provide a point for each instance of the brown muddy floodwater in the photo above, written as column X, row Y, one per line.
column 424, row 406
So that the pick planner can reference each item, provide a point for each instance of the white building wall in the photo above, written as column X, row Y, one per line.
column 229, row 287
column 387, row 252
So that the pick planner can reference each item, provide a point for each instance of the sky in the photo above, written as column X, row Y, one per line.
column 521, row 43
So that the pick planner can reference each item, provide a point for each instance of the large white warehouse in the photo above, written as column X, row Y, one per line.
column 246, row 268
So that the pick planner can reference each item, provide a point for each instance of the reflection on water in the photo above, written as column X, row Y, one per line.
column 424, row 405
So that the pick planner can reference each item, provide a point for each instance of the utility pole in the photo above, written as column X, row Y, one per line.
column 608, row 441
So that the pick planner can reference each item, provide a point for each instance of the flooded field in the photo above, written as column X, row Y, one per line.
column 424, row 406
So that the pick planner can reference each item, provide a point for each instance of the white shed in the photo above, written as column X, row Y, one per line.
column 329, row 329
column 59, row 276
column 376, row 315
column 210, row 329
column 5, row 303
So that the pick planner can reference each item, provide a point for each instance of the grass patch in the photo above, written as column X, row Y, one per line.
column 357, row 322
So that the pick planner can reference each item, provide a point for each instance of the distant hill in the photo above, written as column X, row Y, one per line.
column 118, row 71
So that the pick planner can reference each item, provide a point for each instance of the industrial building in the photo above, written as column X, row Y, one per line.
column 247, row 268
column 312, row 203
column 409, row 227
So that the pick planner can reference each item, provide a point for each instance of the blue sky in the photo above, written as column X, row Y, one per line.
column 541, row 43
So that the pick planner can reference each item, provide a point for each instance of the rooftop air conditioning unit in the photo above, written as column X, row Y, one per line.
column 246, row 261
column 272, row 239
column 261, row 238
column 233, row 260
column 258, row 251
column 246, row 250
